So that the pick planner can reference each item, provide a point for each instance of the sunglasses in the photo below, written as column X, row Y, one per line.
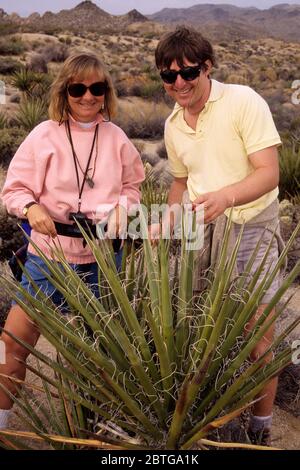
column 187, row 73
column 76, row 90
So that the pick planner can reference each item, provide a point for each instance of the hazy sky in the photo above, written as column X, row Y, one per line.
column 118, row 7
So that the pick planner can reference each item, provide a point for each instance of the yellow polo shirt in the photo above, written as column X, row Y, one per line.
column 235, row 123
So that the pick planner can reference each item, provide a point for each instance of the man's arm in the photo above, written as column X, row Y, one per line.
column 178, row 186
column 264, row 178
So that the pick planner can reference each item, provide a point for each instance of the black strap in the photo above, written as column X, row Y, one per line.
column 72, row 230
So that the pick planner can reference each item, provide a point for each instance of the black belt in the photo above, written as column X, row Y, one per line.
column 72, row 230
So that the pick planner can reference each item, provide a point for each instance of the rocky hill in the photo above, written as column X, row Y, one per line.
column 219, row 22
column 86, row 16
column 281, row 21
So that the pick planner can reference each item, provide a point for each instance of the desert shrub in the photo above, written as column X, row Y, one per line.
column 152, row 90
column 8, row 28
column 143, row 120
column 38, row 64
column 9, row 66
column 24, row 80
column 11, row 46
column 295, row 129
column 31, row 84
column 162, row 151
column 121, row 89
column 289, row 162
column 10, row 235
column 3, row 120
column 10, row 139
column 56, row 52
column 31, row 112
column 150, row 35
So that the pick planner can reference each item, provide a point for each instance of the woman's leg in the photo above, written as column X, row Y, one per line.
column 19, row 324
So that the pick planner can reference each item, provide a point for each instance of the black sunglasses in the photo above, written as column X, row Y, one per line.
column 187, row 73
column 76, row 90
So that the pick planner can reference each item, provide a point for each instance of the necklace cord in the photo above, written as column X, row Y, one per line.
column 75, row 159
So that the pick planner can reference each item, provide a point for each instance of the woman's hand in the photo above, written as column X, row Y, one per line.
column 117, row 223
column 40, row 220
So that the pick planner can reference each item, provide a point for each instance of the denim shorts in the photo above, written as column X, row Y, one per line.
column 34, row 266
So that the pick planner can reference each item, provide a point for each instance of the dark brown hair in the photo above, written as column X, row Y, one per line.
column 183, row 43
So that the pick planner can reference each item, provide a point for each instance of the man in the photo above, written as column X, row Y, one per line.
column 222, row 147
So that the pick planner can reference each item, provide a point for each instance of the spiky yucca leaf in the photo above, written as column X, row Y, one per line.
column 31, row 112
column 128, row 370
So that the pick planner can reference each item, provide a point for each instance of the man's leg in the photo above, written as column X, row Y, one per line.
column 261, row 420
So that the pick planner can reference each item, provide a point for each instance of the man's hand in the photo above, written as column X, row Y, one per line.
column 214, row 203
column 40, row 220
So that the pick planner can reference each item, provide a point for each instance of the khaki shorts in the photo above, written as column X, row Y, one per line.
column 251, row 236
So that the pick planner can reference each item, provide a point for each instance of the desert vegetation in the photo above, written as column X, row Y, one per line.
column 140, row 301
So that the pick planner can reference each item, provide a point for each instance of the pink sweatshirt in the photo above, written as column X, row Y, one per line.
column 43, row 170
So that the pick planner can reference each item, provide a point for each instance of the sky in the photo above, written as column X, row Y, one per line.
column 119, row 7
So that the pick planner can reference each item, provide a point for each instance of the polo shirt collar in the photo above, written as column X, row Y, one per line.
column 216, row 92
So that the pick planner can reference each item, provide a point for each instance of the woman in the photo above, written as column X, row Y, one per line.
column 75, row 166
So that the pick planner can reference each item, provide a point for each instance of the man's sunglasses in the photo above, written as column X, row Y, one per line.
column 187, row 73
column 76, row 90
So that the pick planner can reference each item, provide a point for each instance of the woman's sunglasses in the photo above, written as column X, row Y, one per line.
column 187, row 73
column 76, row 90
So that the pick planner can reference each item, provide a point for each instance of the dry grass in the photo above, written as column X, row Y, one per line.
column 142, row 120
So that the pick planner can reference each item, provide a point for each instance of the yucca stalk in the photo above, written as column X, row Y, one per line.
column 150, row 363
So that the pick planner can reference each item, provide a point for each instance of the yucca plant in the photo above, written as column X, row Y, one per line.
column 31, row 112
column 289, row 162
column 154, row 192
column 31, row 84
column 149, row 365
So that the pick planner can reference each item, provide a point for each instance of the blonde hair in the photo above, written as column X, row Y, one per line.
column 79, row 66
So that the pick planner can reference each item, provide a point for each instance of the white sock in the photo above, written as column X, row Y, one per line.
column 4, row 414
column 258, row 423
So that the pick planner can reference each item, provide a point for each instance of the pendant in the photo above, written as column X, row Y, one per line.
column 90, row 182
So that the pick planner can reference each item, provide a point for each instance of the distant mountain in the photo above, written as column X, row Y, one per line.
column 218, row 22
column 281, row 21
column 86, row 16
